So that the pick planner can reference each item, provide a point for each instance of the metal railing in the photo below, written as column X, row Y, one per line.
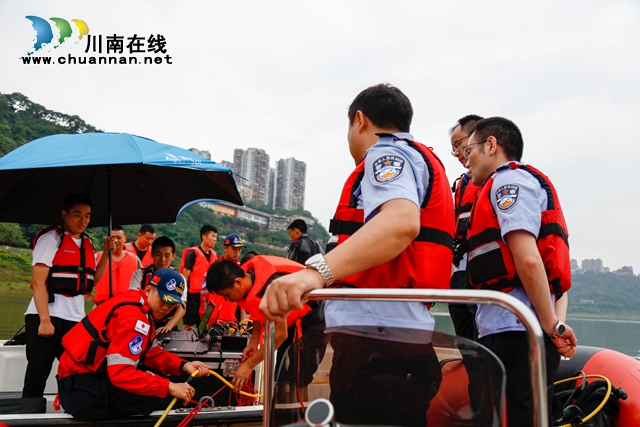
column 524, row 314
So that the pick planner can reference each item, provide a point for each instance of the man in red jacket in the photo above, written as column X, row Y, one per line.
column 246, row 285
column 111, row 360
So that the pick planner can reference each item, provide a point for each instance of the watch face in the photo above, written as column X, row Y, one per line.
column 561, row 329
column 313, row 259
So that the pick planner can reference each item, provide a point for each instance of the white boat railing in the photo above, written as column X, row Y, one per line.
column 524, row 314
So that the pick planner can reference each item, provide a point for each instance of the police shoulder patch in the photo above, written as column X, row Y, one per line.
column 135, row 346
column 387, row 168
column 507, row 196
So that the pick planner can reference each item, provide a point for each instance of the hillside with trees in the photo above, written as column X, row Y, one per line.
column 22, row 120
column 605, row 295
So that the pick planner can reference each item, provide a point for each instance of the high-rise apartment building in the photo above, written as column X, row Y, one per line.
column 251, row 170
column 290, row 183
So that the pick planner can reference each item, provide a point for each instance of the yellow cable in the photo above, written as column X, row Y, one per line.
column 232, row 387
column 604, row 401
column 227, row 383
column 173, row 402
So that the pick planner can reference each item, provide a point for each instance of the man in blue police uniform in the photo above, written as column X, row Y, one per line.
column 514, row 248
column 380, row 220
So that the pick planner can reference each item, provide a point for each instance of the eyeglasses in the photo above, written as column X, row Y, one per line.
column 456, row 145
column 466, row 152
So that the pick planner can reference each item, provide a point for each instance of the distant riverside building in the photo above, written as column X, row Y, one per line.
column 226, row 164
column 203, row 153
column 251, row 168
column 290, row 184
column 273, row 179
column 593, row 265
column 627, row 270
column 574, row 265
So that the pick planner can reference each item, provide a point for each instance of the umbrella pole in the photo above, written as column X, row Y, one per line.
column 109, row 228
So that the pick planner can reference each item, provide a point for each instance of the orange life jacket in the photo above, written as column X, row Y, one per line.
column 123, row 269
column 262, row 268
column 196, row 281
column 146, row 260
column 490, row 263
column 73, row 269
column 426, row 262
column 465, row 193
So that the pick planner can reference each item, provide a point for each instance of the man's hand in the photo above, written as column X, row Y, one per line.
column 109, row 244
column 288, row 292
column 242, row 376
column 182, row 391
column 249, row 351
column 191, row 367
column 566, row 344
column 163, row 330
column 46, row 328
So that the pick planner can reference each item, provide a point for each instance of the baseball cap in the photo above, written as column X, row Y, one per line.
column 170, row 285
column 234, row 240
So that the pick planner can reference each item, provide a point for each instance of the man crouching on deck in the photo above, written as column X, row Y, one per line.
column 98, row 375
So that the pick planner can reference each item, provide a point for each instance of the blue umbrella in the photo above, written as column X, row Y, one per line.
column 130, row 179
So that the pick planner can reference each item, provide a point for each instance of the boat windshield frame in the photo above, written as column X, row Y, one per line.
column 467, row 296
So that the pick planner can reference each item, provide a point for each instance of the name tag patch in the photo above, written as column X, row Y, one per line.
column 135, row 346
column 142, row 327
column 507, row 196
column 388, row 168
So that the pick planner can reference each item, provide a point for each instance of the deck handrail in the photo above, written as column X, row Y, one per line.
column 524, row 314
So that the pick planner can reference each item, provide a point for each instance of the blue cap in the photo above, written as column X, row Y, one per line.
column 233, row 240
column 170, row 285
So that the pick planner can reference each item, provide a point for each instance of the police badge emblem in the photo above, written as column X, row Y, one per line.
column 388, row 168
column 507, row 196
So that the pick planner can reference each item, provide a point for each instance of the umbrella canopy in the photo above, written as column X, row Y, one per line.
column 133, row 179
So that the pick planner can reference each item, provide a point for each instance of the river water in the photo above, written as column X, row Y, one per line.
column 619, row 335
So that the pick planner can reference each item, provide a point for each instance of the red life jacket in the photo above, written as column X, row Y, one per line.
column 490, row 263
column 73, row 269
column 146, row 260
column 87, row 343
column 122, row 272
column 426, row 262
column 465, row 193
column 262, row 267
column 196, row 281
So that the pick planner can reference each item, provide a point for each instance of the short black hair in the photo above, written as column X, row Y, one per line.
column 504, row 131
column 248, row 256
column 146, row 228
column 118, row 228
column 70, row 200
column 206, row 229
column 466, row 123
column 222, row 274
column 163, row 242
column 385, row 105
column 298, row 224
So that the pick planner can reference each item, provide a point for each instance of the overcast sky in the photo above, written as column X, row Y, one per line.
column 279, row 75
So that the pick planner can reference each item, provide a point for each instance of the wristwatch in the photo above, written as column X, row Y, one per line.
column 558, row 331
column 317, row 263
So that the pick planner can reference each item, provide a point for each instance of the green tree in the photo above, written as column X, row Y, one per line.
column 12, row 235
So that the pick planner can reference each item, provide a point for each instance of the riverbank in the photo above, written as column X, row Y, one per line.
column 15, row 269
